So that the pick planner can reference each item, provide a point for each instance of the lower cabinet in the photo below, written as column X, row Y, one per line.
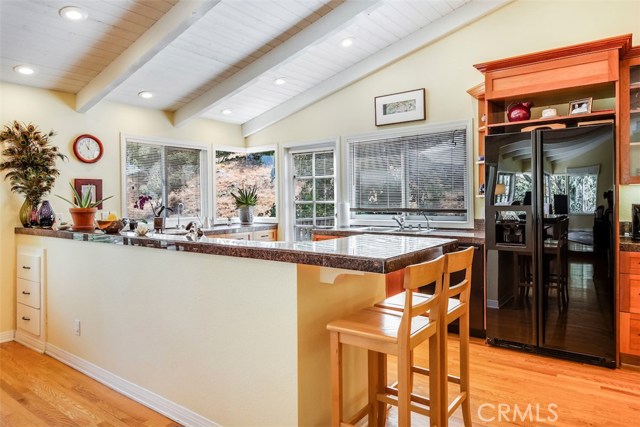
column 29, row 298
column 629, row 289
column 264, row 235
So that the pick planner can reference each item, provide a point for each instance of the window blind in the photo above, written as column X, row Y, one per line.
column 426, row 171
column 169, row 174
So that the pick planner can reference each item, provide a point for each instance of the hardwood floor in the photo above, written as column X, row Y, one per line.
column 36, row 390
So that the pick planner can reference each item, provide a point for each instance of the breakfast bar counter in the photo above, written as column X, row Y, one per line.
column 228, row 332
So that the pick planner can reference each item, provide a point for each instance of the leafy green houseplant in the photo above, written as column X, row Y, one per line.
column 83, row 210
column 29, row 161
column 246, row 198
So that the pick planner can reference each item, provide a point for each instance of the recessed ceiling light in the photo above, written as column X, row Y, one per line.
column 226, row 111
column 145, row 94
column 280, row 81
column 73, row 13
column 26, row 70
column 347, row 42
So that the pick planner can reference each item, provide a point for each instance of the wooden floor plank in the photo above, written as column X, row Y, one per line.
column 38, row 390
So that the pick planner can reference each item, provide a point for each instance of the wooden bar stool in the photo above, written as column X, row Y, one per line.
column 452, row 308
column 384, row 332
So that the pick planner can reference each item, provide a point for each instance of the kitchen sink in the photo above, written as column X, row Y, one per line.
column 175, row 232
column 394, row 230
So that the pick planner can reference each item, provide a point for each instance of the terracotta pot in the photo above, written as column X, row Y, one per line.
column 83, row 218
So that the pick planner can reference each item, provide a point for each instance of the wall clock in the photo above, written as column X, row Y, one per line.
column 87, row 148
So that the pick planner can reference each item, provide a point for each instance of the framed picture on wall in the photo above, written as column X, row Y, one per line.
column 93, row 186
column 400, row 107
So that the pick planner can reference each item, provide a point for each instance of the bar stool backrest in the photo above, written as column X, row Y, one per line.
column 415, row 276
column 457, row 261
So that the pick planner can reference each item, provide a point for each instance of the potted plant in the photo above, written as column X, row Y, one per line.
column 246, row 199
column 84, row 210
column 157, row 209
column 30, row 163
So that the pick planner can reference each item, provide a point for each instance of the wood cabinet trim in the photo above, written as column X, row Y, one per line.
column 621, row 43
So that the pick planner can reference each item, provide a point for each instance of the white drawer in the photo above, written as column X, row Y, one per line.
column 28, row 293
column 28, row 267
column 266, row 235
column 28, row 319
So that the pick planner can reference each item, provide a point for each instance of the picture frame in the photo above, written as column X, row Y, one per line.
column 83, row 185
column 580, row 106
column 400, row 107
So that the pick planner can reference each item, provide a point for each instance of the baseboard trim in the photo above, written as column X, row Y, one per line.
column 27, row 340
column 7, row 336
column 172, row 410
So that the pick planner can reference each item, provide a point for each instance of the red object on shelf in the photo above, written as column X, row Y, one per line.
column 519, row 111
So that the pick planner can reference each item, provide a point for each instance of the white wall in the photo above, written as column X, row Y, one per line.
column 55, row 110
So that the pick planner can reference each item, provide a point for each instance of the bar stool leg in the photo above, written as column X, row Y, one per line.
column 464, row 369
column 375, row 378
column 404, row 393
column 382, row 385
column 336, row 379
column 444, row 376
column 435, row 366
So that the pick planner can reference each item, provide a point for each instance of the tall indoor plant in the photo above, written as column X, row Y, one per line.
column 29, row 161
column 246, row 199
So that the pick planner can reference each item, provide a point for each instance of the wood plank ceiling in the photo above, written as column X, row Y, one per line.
column 201, row 57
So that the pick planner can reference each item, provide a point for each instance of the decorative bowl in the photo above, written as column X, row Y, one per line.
column 110, row 227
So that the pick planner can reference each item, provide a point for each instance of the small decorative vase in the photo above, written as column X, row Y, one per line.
column 46, row 215
column 158, row 224
column 246, row 215
column 33, row 215
column 25, row 212
column 133, row 224
column 84, row 219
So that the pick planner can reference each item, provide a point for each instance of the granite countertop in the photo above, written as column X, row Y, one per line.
column 475, row 237
column 363, row 252
column 627, row 244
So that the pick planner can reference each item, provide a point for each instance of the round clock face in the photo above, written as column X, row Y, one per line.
column 87, row 148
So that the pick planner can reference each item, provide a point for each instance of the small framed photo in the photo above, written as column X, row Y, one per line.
column 93, row 186
column 400, row 107
column 581, row 106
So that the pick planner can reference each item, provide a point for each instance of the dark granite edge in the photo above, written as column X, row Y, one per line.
column 476, row 240
column 627, row 244
column 357, row 263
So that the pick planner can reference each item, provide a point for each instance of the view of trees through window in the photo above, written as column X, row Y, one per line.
column 169, row 174
column 235, row 170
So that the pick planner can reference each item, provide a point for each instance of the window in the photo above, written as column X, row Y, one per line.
column 428, row 169
column 314, row 191
column 236, row 168
column 583, row 190
column 172, row 174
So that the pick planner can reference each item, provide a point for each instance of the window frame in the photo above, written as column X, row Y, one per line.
column 245, row 150
column 386, row 220
column 205, row 159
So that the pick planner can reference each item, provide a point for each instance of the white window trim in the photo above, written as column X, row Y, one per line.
column 286, row 149
column 245, row 150
column 204, row 171
column 411, row 131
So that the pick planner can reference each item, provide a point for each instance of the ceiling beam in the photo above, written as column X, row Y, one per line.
column 322, row 29
column 438, row 29
column 178, row 19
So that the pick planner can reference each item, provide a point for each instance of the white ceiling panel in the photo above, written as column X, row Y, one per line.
column 200, row 57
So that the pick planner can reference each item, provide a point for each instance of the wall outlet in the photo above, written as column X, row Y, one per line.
column 76, row 327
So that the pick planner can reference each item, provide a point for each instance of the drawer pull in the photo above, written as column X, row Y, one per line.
column 29, row 268
column 26, row 293
column 26, row 318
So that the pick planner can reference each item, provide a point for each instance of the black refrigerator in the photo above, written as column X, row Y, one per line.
column 550, row 283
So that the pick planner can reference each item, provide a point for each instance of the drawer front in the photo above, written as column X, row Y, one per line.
column 630, row 262
column 268, row 235
column 319, row 237
column 28, row 319
column 28, row 293
column 28, row 267
column 231, row 236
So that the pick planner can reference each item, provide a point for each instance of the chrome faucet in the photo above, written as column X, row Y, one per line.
column 400, row 220
column 179, row 209
column 427, row 218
